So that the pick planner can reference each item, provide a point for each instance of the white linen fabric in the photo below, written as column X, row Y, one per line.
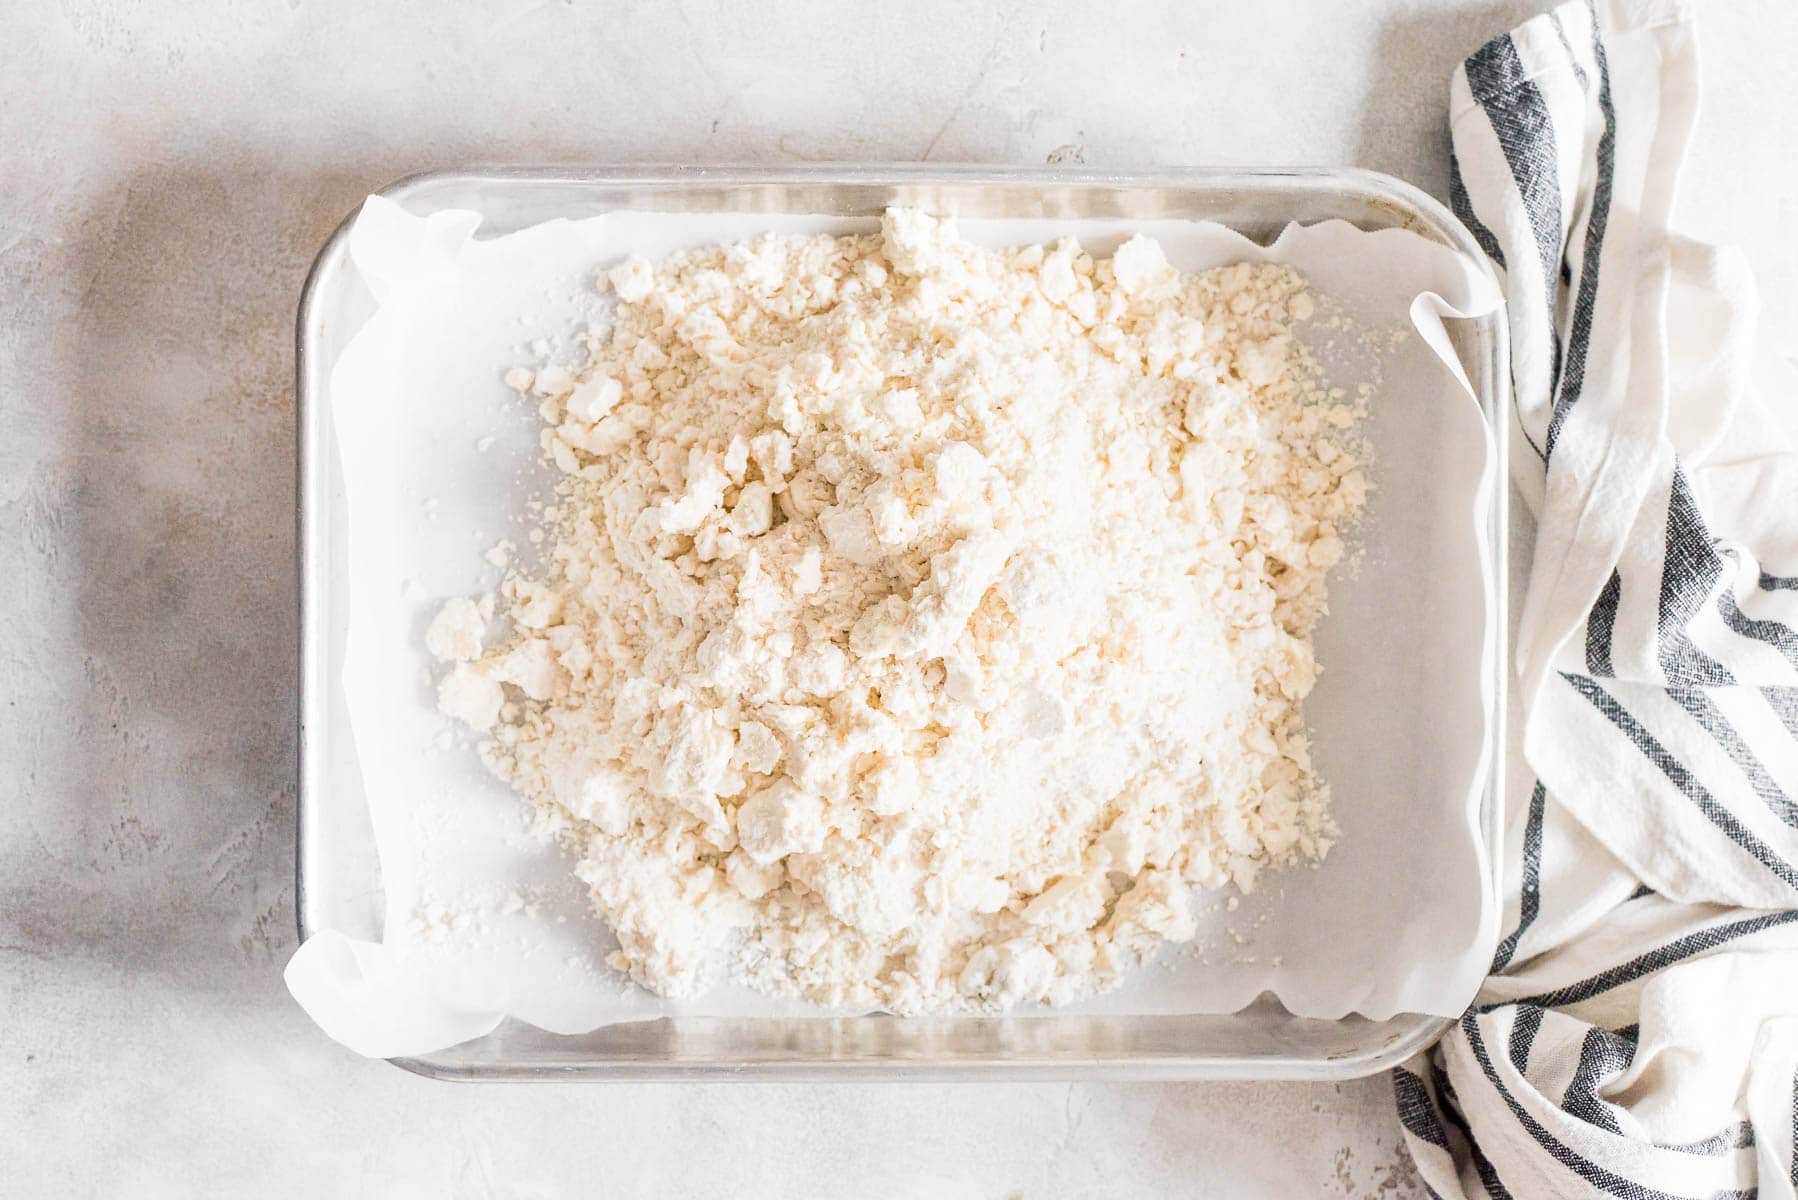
column 1638, row 1035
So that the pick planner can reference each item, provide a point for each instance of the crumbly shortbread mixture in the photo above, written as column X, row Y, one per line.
column 922, row 622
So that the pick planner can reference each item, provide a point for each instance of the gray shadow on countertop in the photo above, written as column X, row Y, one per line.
column 174, row 484
column 165, row 504
column 1405, row 116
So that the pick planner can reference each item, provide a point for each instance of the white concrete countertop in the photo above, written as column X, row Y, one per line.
column 167, row 171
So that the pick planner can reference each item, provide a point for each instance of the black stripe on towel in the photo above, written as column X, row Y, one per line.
column 1524, row 430
column 1524, row 1028
column 1602, row 1055
column 1601, row 624
column 1776, row 634
column 1579, row 72
column 1676, row 772
column 1451, row 1108
column 1529, row 900
column 1415, row 1111
column 1678, row 950
column 1689, row 575
column 1704, row 710
column 1763, row 580
column 1462, row 204
column 1520, row 120
column 1585, row 303
column 1784, row 703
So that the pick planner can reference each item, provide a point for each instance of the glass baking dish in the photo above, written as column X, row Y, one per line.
column 338, row 882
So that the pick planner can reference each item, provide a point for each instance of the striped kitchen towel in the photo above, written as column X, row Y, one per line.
column 1638, row 1035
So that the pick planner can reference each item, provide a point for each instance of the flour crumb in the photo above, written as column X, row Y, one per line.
column 434, row 922
column 455, row 634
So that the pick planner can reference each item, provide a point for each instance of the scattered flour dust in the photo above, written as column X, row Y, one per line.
column 922, row 622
